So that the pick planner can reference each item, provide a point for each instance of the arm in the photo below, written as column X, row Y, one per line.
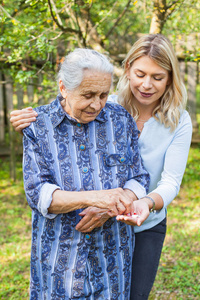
column 174, row 164
column 21, row 119
column 43, row 192
column 115, row 200
column 175, row 160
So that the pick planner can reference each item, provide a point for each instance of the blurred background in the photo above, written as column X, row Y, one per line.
column 35, row 36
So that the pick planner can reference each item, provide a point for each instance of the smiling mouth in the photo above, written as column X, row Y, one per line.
column 146, row 95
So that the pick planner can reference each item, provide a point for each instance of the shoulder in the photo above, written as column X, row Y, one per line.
column 185, row 117
column 113, row 98
column 185, row 120
column 119, row 115
column 46, row 109
column 115, row 107
column 44, row 116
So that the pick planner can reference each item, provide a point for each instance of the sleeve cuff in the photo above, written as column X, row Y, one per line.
column 45, row 199
column 136, row 188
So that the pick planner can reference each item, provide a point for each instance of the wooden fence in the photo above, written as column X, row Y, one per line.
column 189, row 72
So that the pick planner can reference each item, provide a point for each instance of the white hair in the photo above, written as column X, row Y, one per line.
column 72, row 69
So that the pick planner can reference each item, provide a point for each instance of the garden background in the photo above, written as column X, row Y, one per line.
column 35, row 35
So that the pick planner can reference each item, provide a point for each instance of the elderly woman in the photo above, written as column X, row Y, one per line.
column 83, row 153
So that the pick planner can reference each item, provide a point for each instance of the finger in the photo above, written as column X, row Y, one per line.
column 16, row 112
column 23, row 117
column 143, row 216
column 19, row 112
column 127, row 203
column 88, row 227
column 113, row 210
column 83, row 223
column 126, row 219
column 128, row 222
column 21, row 127
column 29, row 108
column 121, row 208
column 82, row 214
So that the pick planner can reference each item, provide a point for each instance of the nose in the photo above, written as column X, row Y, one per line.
column 147, row 82
column 96, row 103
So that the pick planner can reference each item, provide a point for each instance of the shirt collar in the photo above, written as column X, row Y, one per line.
column 57, row 113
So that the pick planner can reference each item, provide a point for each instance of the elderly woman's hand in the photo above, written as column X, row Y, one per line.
column 115, row 200
column 20, row 119
column 93, row 217
column 141, row 210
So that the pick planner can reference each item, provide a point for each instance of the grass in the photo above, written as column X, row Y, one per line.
column 178, row 275
column 15, row 235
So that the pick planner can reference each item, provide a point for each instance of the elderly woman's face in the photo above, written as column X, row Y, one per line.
column 86, row 101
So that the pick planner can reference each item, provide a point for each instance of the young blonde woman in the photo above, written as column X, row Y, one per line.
column 152, row 91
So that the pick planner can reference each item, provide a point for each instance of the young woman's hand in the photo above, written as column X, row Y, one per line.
column 141, row 213
column 20, row 119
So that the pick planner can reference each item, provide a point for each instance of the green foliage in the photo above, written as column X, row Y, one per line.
column 178, row 275
column 184, row 24
column 32, row 31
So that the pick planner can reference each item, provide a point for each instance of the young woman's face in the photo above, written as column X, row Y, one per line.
column 148, row 82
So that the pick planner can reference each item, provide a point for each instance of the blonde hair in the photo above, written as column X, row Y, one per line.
column 173, row 101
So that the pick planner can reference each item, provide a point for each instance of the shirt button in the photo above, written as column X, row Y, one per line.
column 82, row 147
column 122, row 159
column 87, row 236
column 85, row 170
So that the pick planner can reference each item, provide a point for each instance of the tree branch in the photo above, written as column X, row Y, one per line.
column 8, row 15
column 118, row 19
column 171, row 8
column 21, row 7
column 58, row 21
column 104, row 18
column 80, row 31
column 56, row 12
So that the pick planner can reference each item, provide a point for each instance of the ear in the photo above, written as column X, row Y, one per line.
column 62, row 89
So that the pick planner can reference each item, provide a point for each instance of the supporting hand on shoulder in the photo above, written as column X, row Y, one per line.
column 21, row 119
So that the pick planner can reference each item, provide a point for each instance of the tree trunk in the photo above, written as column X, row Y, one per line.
column 2, row 125
column 158, row 18
column 20, row 95
column 9, row 102
column 30, row 91
column 182, row 70
column 40, row 95
column 192, row 79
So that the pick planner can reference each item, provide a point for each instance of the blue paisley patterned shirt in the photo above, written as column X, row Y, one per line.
column 60, row 153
